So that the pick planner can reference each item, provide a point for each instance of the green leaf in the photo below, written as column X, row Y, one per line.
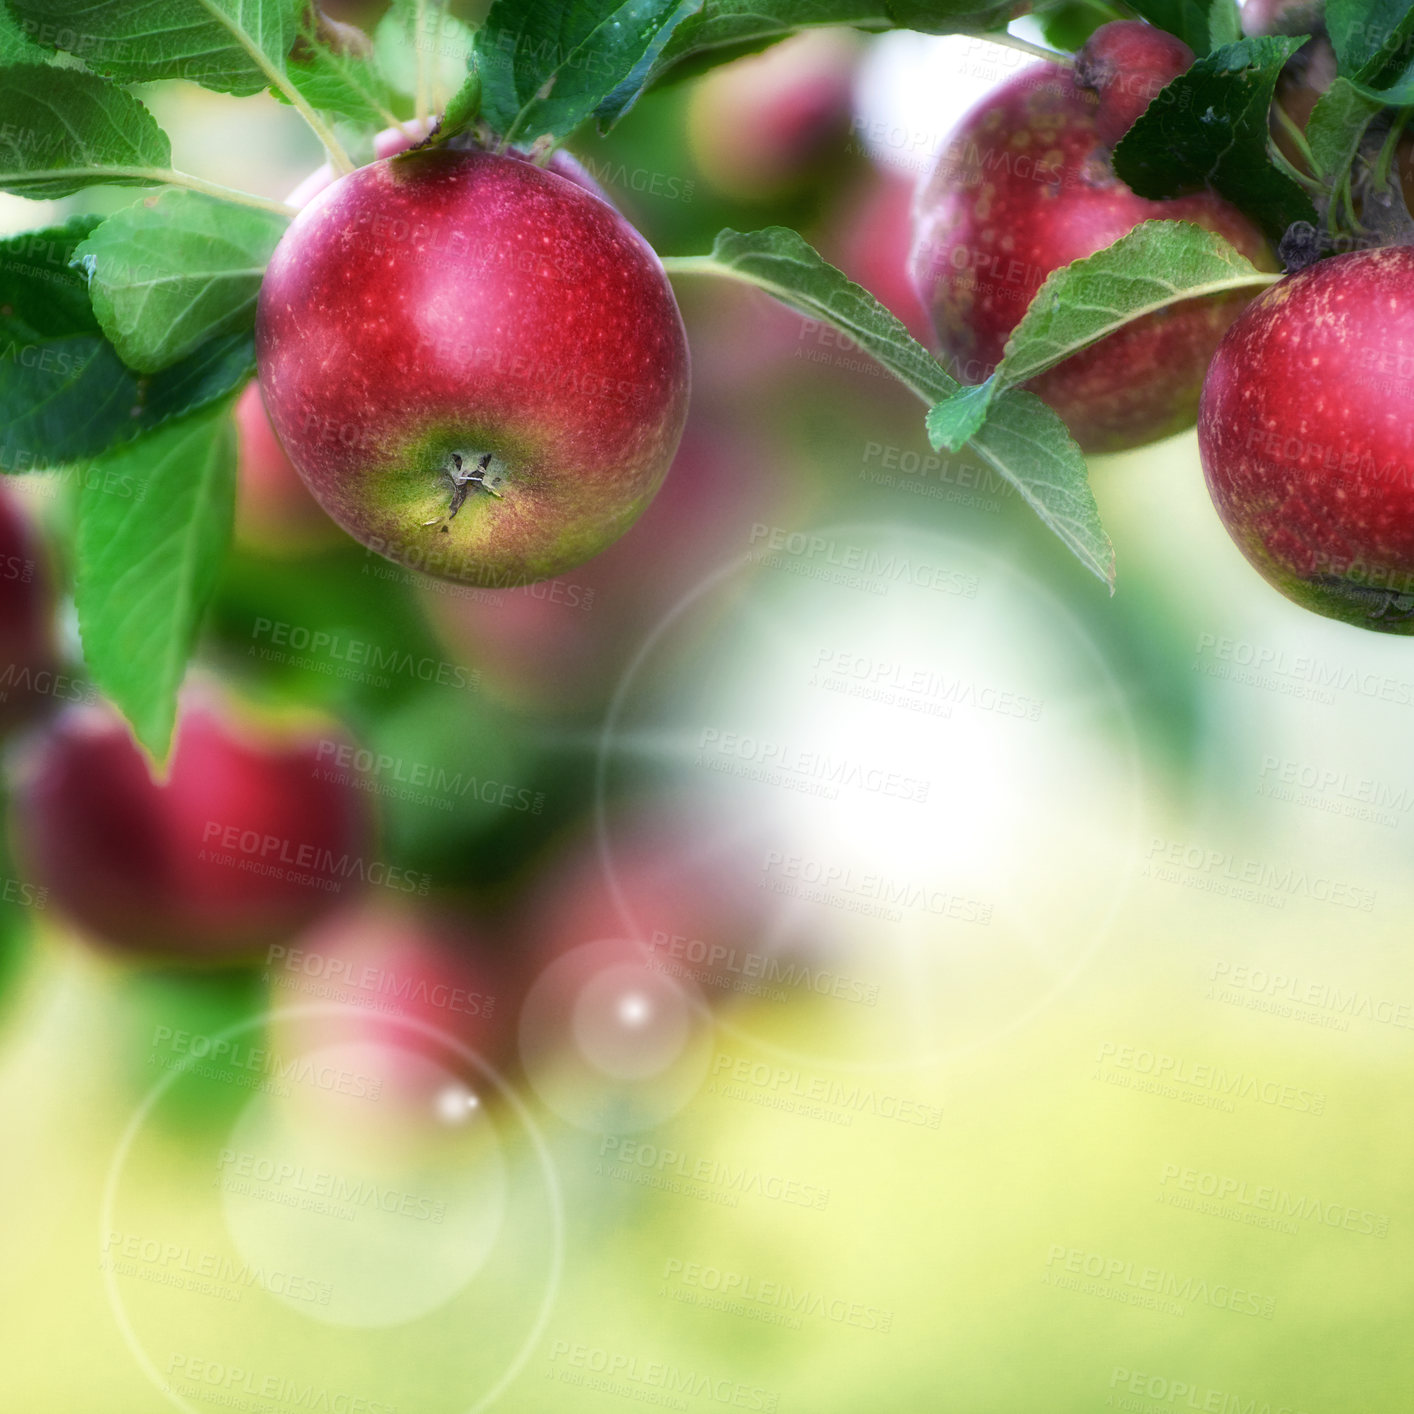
column 1024, row 441
column 547, row 65
column 1028, row 444
column 1209, row 127
column 1337, row 127
column 64, row 129
column 232, row 46
column 1224, row 25
column 173, row 271
column 64, row 392
column 349, row 86
column 955, row 421
column 16, row 47
column 1370, row 36
column 147, row 564
column 1158, row 264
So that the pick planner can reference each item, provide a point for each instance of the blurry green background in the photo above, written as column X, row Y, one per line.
column 1125, row 1128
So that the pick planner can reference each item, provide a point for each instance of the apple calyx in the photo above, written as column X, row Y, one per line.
column 469, row 471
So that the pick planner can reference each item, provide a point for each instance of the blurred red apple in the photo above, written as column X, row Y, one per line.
column 407, row 977
column 27, row 656
column 762, row 125
column 1126, row 63
column 245, row 842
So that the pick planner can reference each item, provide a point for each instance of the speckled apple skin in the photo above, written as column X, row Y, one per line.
column 448, row 301
column 1024, row 186
column 1307, row 436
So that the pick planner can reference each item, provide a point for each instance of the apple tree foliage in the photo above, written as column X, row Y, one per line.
column 136, row 330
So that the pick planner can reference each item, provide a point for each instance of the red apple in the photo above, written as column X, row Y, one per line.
column 478, row 367
column 1126, row 63
column 762, row 125
column 274, row 510
column 401, row 978
column 1307, row 437
column 1023, row 187
column 244, row 843
column 1260, row 17
column 27, row 655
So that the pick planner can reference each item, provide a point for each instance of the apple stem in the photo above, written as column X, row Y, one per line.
column 171, row 177
column 1012, row 41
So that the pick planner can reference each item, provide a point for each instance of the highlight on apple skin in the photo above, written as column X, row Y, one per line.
column 246, row 841
column 1025, row 185
column 477, row 366
column 1307, row 437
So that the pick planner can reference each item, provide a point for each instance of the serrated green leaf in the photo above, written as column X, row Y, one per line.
column 232, row 46
column 1157, row 264
column 64, row 392
column 1024, row 441
column 1337, row 126
column 545, row 66
column 1370, row 37
column 64, row 129
column 1210, row 127
column 169, row 273
column 955, row 421
column 146, row 565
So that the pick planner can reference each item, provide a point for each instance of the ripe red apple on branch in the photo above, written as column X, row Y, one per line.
column 1307, row 437
column 1024, row 186
column 246, row 841
column 477, row 366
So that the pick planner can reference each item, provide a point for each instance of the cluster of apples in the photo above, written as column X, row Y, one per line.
column 1301, row 395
